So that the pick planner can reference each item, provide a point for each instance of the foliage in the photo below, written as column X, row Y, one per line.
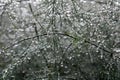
column 60, row 40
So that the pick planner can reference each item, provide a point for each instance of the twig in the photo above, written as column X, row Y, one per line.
column 100, row 47
column 59, row 34
column 24, row 40
column 35, row 17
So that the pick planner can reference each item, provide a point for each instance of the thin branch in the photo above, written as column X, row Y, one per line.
column 63, row 55
column 36, row 31
column 58, row 34
column 35, row 17
column 38, row 36
column 23, row 41
column 100, row 47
